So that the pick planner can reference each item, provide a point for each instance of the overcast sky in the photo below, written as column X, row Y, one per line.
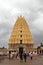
column 32, row 10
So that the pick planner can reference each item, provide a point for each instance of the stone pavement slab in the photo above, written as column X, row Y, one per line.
column 38, row 60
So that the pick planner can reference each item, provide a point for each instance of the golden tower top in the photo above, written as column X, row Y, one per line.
column 21, row 32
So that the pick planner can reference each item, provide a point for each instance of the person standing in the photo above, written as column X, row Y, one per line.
column 9, row 54
column 16, row 55
column 25, row 57
column 21, row 58
column 31, row 56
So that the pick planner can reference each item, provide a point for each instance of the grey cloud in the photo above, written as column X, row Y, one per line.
column 4, row 35
column 33, row 16
column 41, row 10
column 40, row 1
column 38, row 38
column 31, row 13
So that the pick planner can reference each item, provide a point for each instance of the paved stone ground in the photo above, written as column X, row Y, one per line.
column 38, row 60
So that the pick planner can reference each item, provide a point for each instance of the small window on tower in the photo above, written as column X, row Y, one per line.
column 20, row 41
column 20, row 31
column 20, row 35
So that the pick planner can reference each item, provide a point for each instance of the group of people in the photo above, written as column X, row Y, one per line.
column 24, row 56
column 21, row 56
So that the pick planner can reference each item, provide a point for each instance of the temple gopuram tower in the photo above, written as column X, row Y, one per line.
column 21, row 35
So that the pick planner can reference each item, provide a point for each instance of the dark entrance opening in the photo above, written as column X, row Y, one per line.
column 20, row 50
